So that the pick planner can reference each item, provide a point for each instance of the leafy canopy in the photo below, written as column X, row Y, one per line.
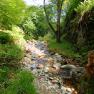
column 11, row 12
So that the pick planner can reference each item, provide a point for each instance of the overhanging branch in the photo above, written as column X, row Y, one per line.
column 47, row 18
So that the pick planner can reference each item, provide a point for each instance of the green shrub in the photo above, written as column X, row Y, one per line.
column 48, row 36
column 5, row 38
column 18, row 36
column 3, row 74
column 85, row 6
column 21, row 84
column 12, row 46
column 10, row 54
column 65, row 48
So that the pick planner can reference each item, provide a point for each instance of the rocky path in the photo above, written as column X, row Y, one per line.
column 47, row 67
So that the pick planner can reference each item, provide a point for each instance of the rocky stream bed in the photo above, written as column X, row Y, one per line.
column 54, row 73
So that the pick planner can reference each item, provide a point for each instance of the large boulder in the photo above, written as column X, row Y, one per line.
column 69, row 71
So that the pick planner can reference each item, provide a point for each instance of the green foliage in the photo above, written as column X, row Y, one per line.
column 80, row 28
column 85, row 6
column 86, row 85
column 11, row 12
column 29, row 27
column 3, row 78
column 65, row 48
column 48, row 36
column 11, row 46
column 18, row 36
column 6, row 73
column 21, row 84
column 10, row 54
column 34, row 24
column 68, row 8
column 5, row 38
column 3, row 74
column 90, row 88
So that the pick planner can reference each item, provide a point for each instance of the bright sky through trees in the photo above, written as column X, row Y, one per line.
column 35, row 2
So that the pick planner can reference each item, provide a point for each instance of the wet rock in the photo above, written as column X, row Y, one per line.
column 53, row 70
column 34, row 71
column 28, row 55
column 54, row 81
column 52, row 53
column 57, row 66
column 66, row 90
column 33, row 66
column 58, row 57
column 80, row 71
column 51, row 78
column 67, row 71
column 49, row 69
column 66, row 74
column 41, row 60
column 46, row 69
column 50, row 61
column 28, row 48
column 27, row 60
column 40, row 66
column 68, row 66
column 34, row 55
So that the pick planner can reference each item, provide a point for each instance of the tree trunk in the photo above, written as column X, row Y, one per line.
column 57, row 32
column 58, row 37
column 47, row 18
column 59, row 8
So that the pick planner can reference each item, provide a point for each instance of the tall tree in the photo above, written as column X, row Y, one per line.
column 58, row 25
column 63, row 10
column 58, row 31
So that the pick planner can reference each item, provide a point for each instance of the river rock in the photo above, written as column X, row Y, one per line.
column 57, row 66
column 68, row 66
column 46, row 67
column 80, row 71
column 27, row 60
column 54, row 81
column 52, row 53
column 53, row 70
column 33, row 66
column 67, row 71
column 66, row 90
column 50, row 78
column 58, row 57
column 28, row 55
column 40, row 66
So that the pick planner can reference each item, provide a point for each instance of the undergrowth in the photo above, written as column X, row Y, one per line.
column 22, row 83
column 11, row 46
column 85, row 6
column 16, row 81
column 13, row 80
column 65, row 48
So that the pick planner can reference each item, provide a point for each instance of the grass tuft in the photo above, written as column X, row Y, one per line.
column 65, row 48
